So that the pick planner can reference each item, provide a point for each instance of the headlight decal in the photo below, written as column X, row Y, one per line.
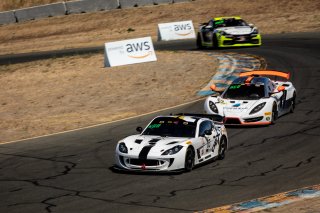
column 173, row 150
column 123, row 148
column 213, row 107
column 257, row 108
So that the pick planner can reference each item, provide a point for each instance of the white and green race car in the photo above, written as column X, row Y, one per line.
column 228, row 32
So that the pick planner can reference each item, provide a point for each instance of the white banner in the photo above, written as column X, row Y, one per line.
column 175, row 31
column 129, row 52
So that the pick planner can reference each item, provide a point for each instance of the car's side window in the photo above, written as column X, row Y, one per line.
column 205, row 125
column 211, row 23
column 271, row 86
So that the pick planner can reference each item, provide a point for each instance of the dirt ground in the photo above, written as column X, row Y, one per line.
column 83, row 30
column 54, row 95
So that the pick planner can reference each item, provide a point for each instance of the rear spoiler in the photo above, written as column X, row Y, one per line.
column 285, row 75
column 215, row 118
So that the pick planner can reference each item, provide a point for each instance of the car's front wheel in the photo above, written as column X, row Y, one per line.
column 274, row 114
column 189, row 161
column 222, row 148
column 293, row 103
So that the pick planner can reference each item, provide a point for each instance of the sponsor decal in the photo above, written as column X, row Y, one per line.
column 236, row 105
column 179, row 28
column 176, row 31
column 129, row 52
column 234, row 109
column 235, row 86
column 154, row 126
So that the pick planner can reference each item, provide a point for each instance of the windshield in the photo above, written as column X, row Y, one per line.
column 230, row 23
column 244, row 92
column 171, row 127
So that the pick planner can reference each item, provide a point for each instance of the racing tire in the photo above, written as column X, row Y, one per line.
column 293, row 103
column 274, row 114
column 222, row 148
column 189, row 161
column 199, row 43
column 214, row 41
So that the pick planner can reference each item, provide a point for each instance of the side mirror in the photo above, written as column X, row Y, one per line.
column 139, row 129
column 213, row 87
column 208, row 132
column 251, row 25
column 281, row 88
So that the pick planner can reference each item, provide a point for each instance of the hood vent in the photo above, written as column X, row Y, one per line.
column 138, row 141
column 173, row 142
column 154, row 141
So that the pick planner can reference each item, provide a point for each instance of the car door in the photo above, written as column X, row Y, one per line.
column 208, row 142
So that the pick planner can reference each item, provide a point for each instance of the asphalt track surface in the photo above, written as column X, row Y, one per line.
column 71, row 172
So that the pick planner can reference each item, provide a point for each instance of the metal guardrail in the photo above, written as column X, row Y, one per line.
column 72, row 7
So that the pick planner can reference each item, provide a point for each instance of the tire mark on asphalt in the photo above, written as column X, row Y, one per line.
column 255, row 161
column 270, row 139
column 308, row 161
column 258, row 175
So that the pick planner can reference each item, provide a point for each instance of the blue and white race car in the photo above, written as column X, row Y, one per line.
column 254, row 99
column 173, row 143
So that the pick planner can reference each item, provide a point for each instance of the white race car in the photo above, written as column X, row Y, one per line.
column 254, row 99
column 173, row 143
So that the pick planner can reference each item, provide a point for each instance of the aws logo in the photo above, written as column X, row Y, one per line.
column 138, row 50
column 186, row 28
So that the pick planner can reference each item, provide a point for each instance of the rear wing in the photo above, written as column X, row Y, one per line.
column 215, row 118
column 285, row 75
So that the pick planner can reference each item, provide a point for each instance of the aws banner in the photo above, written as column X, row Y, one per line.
column 131, row 51
column 175, row 31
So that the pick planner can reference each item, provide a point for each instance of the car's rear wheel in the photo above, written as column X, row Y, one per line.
column 274, row 114
column 189, row 161
column 222, row 148
column 293, row 103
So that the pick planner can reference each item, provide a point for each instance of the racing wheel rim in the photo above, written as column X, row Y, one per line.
column 222, row 148
column 189, row 162
column 274, row 114
column 293, row 103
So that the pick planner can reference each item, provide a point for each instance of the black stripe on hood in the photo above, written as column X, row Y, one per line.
column 144, row 152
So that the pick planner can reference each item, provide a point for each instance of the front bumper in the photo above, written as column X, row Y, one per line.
column 151, row 164
column 255, row 121
column 239, row 40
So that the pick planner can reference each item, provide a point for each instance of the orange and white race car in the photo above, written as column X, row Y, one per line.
column 254, row 99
